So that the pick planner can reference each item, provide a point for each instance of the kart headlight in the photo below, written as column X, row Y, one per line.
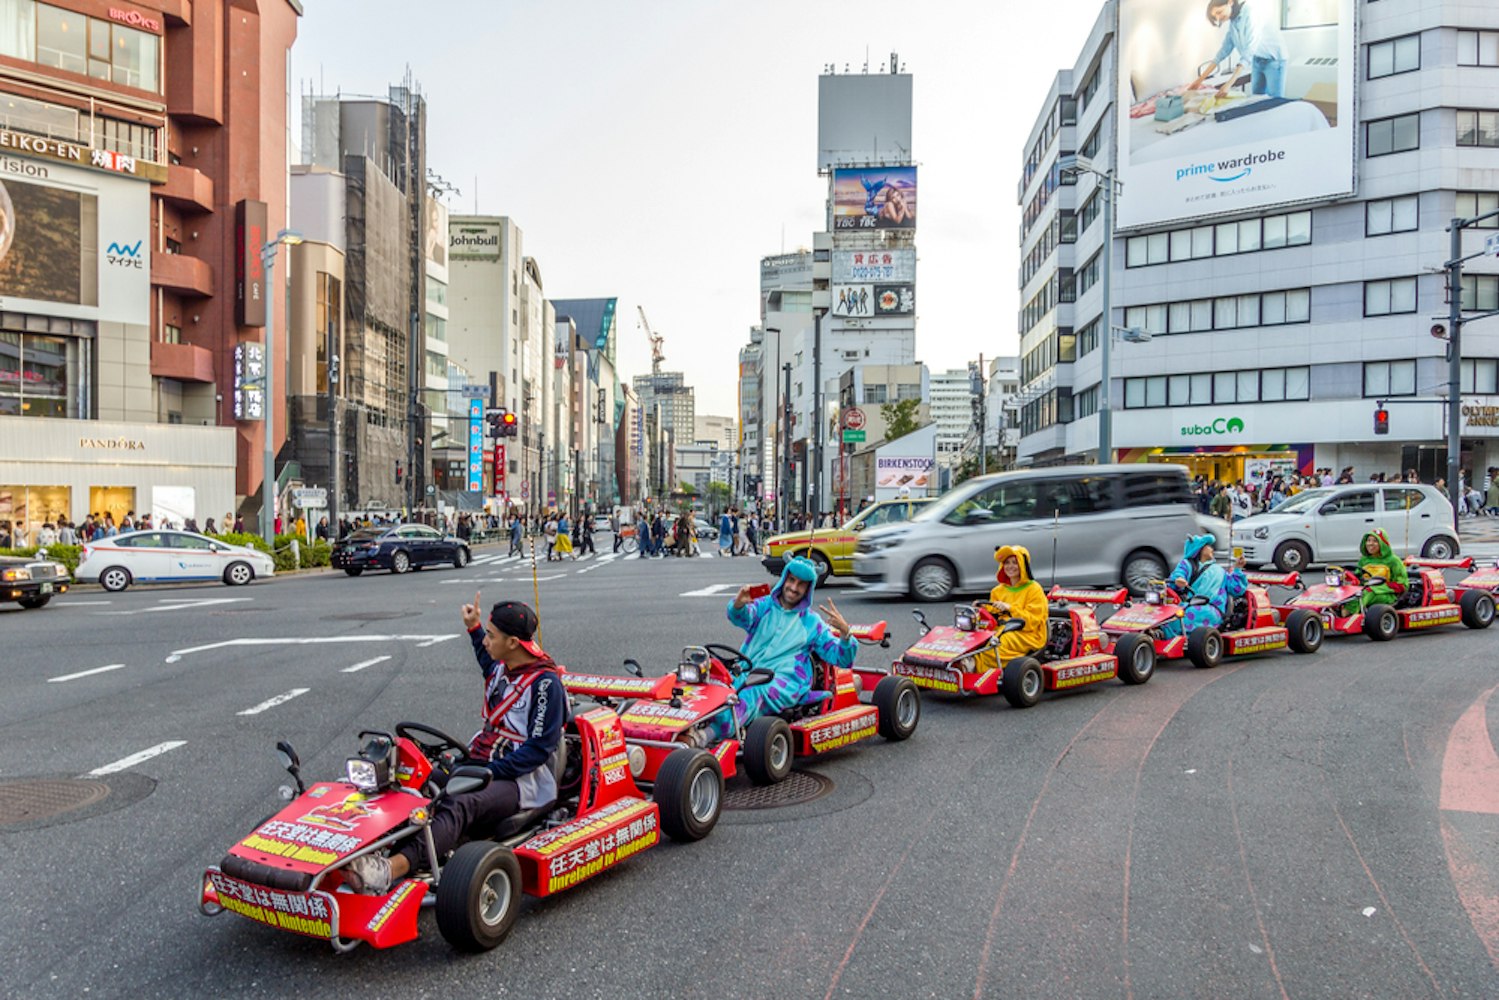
column 962, row 620
column 688, row 673
column 363, row 774
column 1262, row 533
column 1152, row 597
column 637, row 760
column 1332, row 578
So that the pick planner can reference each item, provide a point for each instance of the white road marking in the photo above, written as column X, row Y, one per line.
column 136, row 758
column 85, row 673
column 364, row 663
column 434, row 641
column 425, row 640
column 713, row 590
column 479, row 579
column 70, row 603
column 280, row 699
column 180, row 604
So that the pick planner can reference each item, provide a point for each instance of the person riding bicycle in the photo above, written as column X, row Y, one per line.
column 784, row 634
column 1377, row 560
column 1199, row 575
column 525, row 708
column 1015, row 595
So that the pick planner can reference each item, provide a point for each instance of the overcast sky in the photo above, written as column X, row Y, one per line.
column 655, row 150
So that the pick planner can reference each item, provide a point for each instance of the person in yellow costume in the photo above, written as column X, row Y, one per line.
column 1016, row 595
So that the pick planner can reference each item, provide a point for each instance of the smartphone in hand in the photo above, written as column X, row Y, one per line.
column 759, row 590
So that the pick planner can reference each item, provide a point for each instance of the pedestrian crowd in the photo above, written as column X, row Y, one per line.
column 1237, row 499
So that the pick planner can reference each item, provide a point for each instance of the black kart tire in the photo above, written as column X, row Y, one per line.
column 899, row 705
column 115, row 579
column 478, row 896
column 1304, row 630
column 689, row 793
column 1477, row 605
column 1381, row 623
column 353, row 570
column 768, row 750
column 1022, row 682
column 1136, row 656
column 1205, row 647
column 400, row 562
column 238, row 573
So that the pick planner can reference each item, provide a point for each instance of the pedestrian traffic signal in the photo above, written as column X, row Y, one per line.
column 1381, row 421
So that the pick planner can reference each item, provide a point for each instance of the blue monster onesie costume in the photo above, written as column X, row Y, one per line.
column 1207, row 580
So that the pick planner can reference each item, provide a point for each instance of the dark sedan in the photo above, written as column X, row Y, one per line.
column 31, row 581
column 398, row 548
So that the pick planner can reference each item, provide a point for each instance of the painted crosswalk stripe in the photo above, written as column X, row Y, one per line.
column 136, row 758
column 273, row 702
column 85, row 673
column 364, row 663
column 712, row 590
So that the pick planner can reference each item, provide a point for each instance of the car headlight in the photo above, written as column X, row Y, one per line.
column 1262, row 533
column 19, row 573
column 362, row 774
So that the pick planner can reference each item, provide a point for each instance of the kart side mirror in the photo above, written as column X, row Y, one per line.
column 921, row 620
column 632, row 667
column 291, row 762
column 468, row 778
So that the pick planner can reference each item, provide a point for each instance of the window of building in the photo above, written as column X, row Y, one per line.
column 1481, row 375
column 1090, row 145
column 1205, row 388
column 1472, row 204
column 1308, row 13
column 171, row 334
column 1480, row 292
column 40, row 375
column 61, row 39
column 1393, row 135
column 876, row 393
column 1391, row 215
column 1475, row 48
column 1223, row 240
column 1090, row 272
column 1478, row 128
column 1087, row 92
column 1087, row 339
column 1085, row 403
column 1223, row 313
column 1397, row 55
column 1389, row 378
column 908, row 390
column 1389, row 297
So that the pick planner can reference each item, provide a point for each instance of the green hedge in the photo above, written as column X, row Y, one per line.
column 68, row 555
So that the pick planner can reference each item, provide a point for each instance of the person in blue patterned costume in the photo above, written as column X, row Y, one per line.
column 1199, row 575
column 784, row 634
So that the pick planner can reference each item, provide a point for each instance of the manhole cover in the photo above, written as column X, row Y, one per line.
column 370, row 616
column 799, row 787
column 34, row 803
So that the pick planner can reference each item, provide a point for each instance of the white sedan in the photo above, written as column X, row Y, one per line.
column 158, row 556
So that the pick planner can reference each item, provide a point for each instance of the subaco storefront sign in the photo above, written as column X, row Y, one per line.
column 1216, row 427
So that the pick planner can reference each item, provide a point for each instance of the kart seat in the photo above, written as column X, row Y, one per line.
column 512, row 825
column 1415, row 593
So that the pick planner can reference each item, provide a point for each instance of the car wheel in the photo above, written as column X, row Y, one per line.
column 237, row 574
column 1380, row 622
column 478, row 896
column 1021, row 682
column 689, row 793
column 353, row 570
column 899, row 705
column 821, row 564
column 1136, row 656
column 1304, row 630
column 461, row 559
column 1205, row 647
column 40, row 601
column 933, row 579
column 115, row 579
column 1292, row 557
column 1440, row 547
column 400, row 562
column 1477, row 605
column 1140, row 568
column 767, row 750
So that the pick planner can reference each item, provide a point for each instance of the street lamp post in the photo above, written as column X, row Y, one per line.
column 1074, row 164
column 289, row 237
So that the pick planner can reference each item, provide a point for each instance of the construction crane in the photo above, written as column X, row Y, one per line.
column 657, row 342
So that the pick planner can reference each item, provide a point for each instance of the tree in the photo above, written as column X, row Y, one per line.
column 686, row 489
column 719, row 495
column 899, row 417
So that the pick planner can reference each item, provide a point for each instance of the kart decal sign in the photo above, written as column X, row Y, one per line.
column 1257, row 641
column 340, row 815
column 1087, row 671
column 615, row 767
column 580, row 850
column 839, row 730
column 390, row 906
column 935, row 678
column 571, row 834
column 1138, row 619
column 609, row 686
column 1427, row 617
column 307, row 913
column 656, row 713
column 1487, row 580
column 300, row 842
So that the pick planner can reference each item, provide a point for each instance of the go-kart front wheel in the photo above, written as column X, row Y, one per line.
column 1304, row 631
column 478, row 896
column 767, row 750
column 1205, row 647
column 1478, row 609
column 899, row 706
column 1380, row 622
column 1021, row 683
column 1136, row 656
column 689, row 793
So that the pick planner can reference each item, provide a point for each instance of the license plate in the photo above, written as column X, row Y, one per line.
column 46, row 588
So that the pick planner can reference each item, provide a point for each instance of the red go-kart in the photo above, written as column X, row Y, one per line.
column 1477, row 612
column 1252, row 625
column 1076, row 653
column 1426, row 603
column 289, row 872
column 662, row 714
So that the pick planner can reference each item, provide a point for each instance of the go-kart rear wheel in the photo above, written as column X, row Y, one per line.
column 1205, row 647
column 1478, row 608
column 899, row 705
column 1136, row 656
column 1021, row 683
column 478, row 896
column 1380, row 622
column 689, row 793
column 767, row 750
column 1304, row 630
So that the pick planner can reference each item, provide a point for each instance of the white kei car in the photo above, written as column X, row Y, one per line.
column 160, row 556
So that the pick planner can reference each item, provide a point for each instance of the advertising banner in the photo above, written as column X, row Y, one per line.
column 874, row 300
column 475, row 445
column 857, row 267
column 1241, row 110
column 49, row 243
column 500, row 470
column 249, row 381
column 895, row 473
column 249, row 272
column 874, row 198
column 474, row 240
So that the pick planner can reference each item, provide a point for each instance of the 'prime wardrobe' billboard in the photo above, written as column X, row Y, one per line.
column 1233, row 106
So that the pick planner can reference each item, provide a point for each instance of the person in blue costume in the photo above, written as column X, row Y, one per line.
column 1199, row 575
column 785, row 633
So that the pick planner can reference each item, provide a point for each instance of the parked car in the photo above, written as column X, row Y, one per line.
column 832, row 549
column 398, row 548
column 159, row 556
column 32, row 581
column 601, row 522
column 1086, row 525
column 1325, row 525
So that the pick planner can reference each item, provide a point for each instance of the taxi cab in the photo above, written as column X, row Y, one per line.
column 832, row 549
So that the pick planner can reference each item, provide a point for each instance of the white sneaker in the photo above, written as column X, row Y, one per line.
column 369, row 874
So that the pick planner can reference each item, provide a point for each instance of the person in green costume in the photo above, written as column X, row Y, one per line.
column 1378, row 560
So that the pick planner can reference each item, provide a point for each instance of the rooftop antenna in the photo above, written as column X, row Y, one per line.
column 866, row 58
column 894, row 61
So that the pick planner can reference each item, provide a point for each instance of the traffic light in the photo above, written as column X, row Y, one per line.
column 400, row 470
column 1381, row 421
column 509, row 424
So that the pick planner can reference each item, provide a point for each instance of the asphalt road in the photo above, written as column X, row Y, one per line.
column 1286, row 826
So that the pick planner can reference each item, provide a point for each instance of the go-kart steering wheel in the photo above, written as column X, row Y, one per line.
column 729, row 657
column 431, row 748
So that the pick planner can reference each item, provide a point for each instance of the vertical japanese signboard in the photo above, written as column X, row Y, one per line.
column 475, row 445
column 249, row 277
column 499, row 470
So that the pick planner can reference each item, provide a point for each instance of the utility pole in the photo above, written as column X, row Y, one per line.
column 814, row 490
column 1455, row 321
column 784, row 487
column 331, row 351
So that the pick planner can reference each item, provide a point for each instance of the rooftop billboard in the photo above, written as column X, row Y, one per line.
column 874, row 198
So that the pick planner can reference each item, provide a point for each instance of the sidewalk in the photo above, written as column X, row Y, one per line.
column 1478, row 531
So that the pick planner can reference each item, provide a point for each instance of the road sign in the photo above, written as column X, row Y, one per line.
column 853, row 419
column 471, row 390
column 853, row 436
column 309, row 496
column 1491, row 245
column 525, row 490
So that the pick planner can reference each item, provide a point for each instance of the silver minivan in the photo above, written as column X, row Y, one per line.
column 1085, row 525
